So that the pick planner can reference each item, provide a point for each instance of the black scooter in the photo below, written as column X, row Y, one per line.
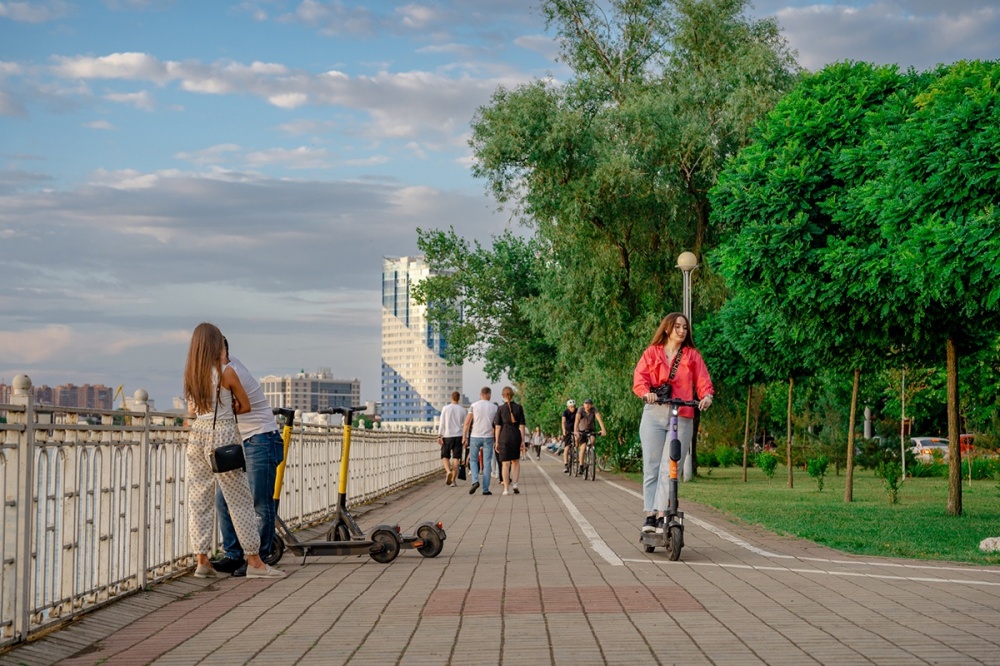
column 672, row 538
column 345, row 537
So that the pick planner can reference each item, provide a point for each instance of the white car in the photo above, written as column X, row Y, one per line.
column 924, row 447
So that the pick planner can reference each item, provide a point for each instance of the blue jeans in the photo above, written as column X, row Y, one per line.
column 263, row 454
column 486, row 444
column 655, row 434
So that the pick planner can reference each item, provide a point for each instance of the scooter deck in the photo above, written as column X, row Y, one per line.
column 654, row 540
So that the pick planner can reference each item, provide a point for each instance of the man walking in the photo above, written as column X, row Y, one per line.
column 477, row 434
column 263, row 450
column 450, row 437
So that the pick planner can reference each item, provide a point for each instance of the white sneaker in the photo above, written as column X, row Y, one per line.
column 505, row 492
column 267, row 572
column 516, row 491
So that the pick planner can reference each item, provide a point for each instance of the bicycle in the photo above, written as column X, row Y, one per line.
column 589, row 442
column 570, row 449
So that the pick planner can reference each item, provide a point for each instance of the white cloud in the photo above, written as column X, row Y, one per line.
column 210, row 155
column 917, row 32
column 35, row 344
column 140, row 100
column 35, row 12
column 99, row 125
column 302, row 157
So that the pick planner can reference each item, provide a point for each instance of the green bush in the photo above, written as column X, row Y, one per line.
column 728, row 456
column 707, row 459
column 817, row 469
column 767, row 462
column 932, row 469
column 982, row 467
column 892, row 474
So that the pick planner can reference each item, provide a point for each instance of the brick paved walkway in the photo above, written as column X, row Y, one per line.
column 555, row 575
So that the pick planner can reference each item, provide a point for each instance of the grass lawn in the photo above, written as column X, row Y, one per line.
column 917, row 527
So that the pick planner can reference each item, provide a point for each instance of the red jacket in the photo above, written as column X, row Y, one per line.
column 653, row 370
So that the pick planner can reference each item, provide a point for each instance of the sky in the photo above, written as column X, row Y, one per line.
column 167, row 162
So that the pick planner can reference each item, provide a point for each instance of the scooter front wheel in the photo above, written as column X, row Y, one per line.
column 277, row 550
column 674, row 542
column 339, row 532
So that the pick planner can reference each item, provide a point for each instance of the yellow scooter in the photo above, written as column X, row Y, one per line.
column 345, row 537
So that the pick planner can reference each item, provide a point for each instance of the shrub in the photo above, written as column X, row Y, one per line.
column 920, row 469
column 707, row 459
column 892, row 473
column 767, row 462
column 982, row 467
column 728, row 456
column 817, row 469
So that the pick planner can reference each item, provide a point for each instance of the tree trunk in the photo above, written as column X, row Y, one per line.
column 954, row 435
column 849, row 482
column 746, row 433
column 788, row 435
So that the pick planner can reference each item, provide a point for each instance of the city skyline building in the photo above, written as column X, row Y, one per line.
column 311, row 391
column 417, row 381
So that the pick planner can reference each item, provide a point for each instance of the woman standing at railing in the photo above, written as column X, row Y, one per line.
column 209, row 391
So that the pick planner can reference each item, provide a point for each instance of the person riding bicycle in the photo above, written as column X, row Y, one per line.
column 568, row 424
column 584, row 428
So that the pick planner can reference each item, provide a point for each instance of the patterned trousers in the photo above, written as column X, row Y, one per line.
column 201, row 488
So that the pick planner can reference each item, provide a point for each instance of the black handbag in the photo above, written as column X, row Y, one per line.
column 461, row 471
column 665, row 392
column 227, row 457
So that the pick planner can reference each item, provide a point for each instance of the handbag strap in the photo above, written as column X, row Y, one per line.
column 677, row 362
column 218, row 390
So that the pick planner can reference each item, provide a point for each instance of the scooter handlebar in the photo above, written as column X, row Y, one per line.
column 344, row 410
column 679, row 402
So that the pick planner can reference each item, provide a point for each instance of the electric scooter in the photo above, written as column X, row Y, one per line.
column 345, row 537
column 672, row 538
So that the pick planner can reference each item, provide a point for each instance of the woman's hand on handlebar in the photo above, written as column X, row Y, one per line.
column 650, row 398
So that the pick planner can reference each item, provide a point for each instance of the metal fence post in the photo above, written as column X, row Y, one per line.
column 25, row 483
column 142, row 405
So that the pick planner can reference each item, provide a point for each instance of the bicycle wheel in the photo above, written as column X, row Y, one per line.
column 604, row 463
column 592, row 462
column 573, row 462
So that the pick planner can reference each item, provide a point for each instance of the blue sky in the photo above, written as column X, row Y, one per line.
column 249, row 163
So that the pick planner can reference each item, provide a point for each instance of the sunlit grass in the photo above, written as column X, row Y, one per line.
column 917, row 527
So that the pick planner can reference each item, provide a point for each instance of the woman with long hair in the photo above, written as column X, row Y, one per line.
column 671, row 358
column 510, row 435
column 211, row 392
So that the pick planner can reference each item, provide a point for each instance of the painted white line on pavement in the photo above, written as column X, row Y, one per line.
column 596, row 542
column 759, row 551
column 711, row 528
column 823, row 572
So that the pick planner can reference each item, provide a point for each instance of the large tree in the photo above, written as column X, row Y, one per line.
column 610, row 171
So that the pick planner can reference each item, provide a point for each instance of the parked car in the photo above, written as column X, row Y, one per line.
column 924, row 447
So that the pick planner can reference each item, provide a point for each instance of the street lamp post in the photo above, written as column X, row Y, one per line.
column 688, row 263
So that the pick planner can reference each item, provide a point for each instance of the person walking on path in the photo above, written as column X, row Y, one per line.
column 537, row 439
column 671, row 358
column 263, row 450
column 511, row 436
column 477, row 435
column 212, row 391
column 450, row 437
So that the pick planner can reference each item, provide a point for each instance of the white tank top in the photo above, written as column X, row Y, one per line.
column 225, row 406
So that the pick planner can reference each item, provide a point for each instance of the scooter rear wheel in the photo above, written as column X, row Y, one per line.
column 433, row 544
column 674, row 543
column 390, row 546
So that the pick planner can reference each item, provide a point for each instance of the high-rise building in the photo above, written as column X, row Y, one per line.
column 311, row 391
column 416, row 379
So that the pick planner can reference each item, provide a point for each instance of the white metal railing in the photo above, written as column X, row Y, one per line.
column 93, row 512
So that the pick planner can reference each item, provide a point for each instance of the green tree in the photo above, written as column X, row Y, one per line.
column 610, row 172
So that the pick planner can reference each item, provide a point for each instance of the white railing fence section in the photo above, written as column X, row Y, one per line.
column 95, row 511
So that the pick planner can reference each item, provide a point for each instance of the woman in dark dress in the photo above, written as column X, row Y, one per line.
column 510, row 435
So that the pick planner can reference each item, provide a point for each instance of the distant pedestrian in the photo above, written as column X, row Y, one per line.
column 511, row 437
column 568, row 424
column 450, row 437
column 537, row 439
column 478, row 437
column 264, row 450
column 210, row 391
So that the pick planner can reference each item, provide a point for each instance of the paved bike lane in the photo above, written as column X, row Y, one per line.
column 554, row 575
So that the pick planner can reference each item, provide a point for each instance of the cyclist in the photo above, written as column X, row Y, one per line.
column 568, row 424
column 584, row 428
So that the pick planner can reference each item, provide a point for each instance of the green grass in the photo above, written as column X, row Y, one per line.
column 917, row 527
